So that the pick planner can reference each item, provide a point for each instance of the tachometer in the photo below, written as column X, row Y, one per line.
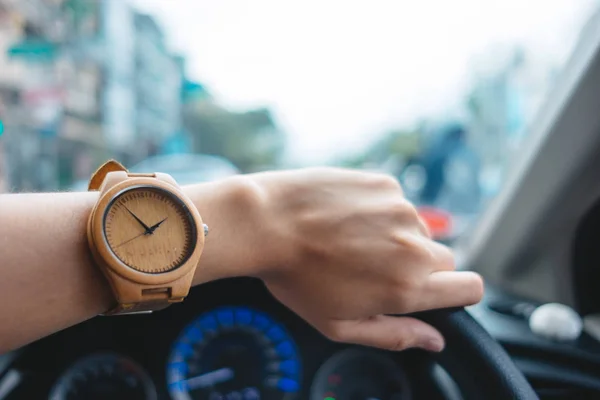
column 359, row 374
column 234, row 353
column 104, row 376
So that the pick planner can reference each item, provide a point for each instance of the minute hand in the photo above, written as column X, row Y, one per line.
column 146, row 227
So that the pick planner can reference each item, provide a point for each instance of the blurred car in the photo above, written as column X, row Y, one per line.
column 446, row 175
column 184, row 168
column 444, row 183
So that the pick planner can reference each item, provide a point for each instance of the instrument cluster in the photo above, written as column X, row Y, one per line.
column 234, row 353
column 209, row 348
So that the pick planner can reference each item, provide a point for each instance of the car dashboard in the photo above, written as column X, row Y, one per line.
column 229, row 340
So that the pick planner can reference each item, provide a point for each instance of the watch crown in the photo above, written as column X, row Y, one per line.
column 205, row 229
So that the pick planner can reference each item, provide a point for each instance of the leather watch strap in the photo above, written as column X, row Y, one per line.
column 100, row 174
column 112, row 166
column 153, row 299
column 145, row 307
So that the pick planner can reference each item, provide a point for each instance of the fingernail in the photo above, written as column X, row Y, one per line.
column 433, row 344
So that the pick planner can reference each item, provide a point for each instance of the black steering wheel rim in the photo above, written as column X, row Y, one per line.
column 479, row 365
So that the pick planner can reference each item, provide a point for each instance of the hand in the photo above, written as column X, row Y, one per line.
column 155, row 226
column 148, row 231
column 347, row 250
column 146, row 227
column 131, row 239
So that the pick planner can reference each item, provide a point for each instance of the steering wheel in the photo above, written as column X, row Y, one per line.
column 478, row 364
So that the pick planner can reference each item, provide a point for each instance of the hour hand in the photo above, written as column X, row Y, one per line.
column 153, row 227
column 146, row 227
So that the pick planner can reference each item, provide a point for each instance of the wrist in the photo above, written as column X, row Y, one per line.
column 235, row 211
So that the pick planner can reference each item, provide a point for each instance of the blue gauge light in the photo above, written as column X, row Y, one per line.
column 234, row 353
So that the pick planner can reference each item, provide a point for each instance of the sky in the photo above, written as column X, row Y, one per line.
column 337, row 73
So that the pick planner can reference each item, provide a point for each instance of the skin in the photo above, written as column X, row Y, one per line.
column 342, row 249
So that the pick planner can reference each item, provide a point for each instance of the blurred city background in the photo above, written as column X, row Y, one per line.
column 439, row 94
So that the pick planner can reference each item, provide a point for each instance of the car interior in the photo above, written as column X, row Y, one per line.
column 536, row 244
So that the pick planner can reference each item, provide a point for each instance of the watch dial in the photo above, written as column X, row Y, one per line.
column 150, row 230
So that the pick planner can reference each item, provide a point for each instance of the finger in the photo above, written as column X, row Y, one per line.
column 434, row 256
column 445, row 289
column 387, row 332
column 416, row 218
column 443, row 256
column 424, row 228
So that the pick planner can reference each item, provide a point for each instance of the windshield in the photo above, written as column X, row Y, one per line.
column 439, row 94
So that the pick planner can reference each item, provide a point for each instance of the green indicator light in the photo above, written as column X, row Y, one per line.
column 1, row 128
column 329, row 398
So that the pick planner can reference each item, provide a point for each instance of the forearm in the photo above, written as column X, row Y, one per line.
column 342, row 249
column 47, row 278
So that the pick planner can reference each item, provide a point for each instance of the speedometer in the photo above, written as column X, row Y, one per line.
column 234, row 353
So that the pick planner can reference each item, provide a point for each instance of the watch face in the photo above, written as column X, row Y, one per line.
column 150, row 230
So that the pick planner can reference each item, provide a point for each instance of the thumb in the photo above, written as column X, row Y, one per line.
column 387, row 332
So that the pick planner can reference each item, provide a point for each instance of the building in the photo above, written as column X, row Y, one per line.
column 81, row 81
column 140, row 99
column 82, row 140
column 158, row 85
column 30, row 91
column 130, row 80
column 119, row 65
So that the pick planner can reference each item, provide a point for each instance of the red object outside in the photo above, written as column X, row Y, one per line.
column 437, row 220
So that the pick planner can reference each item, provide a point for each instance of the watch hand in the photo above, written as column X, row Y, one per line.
column 138, row 220
column 153, row 227
column 129, row 240
column 149, row 231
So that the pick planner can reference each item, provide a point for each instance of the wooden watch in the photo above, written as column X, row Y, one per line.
column 146, row 236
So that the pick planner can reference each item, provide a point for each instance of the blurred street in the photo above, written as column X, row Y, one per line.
column 86, row 80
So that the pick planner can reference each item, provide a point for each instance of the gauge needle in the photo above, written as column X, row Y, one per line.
column 210, row 378
column 146, row 227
